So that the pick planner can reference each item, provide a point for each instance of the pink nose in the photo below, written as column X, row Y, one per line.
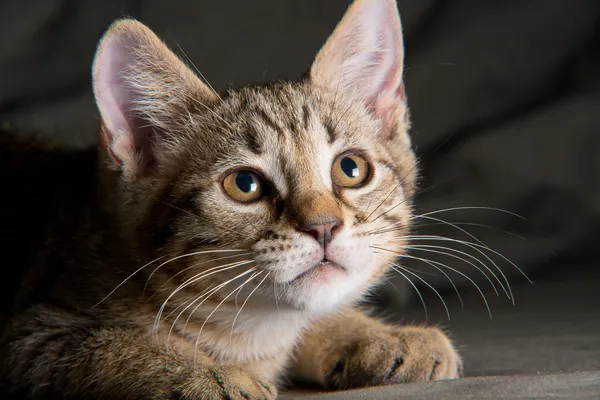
column 324, row 232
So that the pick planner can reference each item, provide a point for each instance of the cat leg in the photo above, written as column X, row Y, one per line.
column 352, row 350
column 50, row 353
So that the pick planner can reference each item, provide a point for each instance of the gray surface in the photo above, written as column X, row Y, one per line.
column 574, row 386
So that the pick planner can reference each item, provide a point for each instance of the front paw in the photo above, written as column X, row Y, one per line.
column 225, row 381
column 395, row 355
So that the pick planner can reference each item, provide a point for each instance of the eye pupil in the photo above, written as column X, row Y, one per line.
column 246, row 182
column 349, row 167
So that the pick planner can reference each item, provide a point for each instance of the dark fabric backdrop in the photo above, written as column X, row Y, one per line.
column 504, row 95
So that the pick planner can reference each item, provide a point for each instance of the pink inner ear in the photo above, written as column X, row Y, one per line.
column 113, row 97
column 127, row 136
column 390, row 94
column 364, row 58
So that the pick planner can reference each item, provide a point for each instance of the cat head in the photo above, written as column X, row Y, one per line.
column 291, row 185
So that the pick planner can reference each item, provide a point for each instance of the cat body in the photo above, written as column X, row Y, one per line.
column 216, row 245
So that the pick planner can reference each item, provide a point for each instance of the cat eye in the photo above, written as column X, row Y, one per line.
column 350, row 170
column 244, row 186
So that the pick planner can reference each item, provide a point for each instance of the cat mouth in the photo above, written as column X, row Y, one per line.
column 323, row 271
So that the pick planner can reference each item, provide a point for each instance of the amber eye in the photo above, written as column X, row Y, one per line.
column 350, row 170
column 244, row 186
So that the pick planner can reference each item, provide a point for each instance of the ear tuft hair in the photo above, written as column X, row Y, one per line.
column 143, row 91
column 364, row 58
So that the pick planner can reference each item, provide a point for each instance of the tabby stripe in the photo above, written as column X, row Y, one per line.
column 270, row 122
column 398, row 175
column 305, row 116
column 42, row 344
column 162, row 216
column 293, row 127
column 253, row 143
column 330, row 132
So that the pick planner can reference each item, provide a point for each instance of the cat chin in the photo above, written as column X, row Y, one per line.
column 325, row 291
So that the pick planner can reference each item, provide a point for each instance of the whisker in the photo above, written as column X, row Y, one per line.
column 430, row 248
column 382, row 202
column 462, row 304
column 126, row 279
column 465, row 261
column 469, row 244
column 431, row 262
column 392, row 265
column 188, row 304
column 451, row 225
column 216, row 308
column 418, row 293
column 475, row 208
column 276, row 295
column 391, row 284
column 428, row 216
column 419, row 225
column 479, row 244
column 191, row 281
column 198, row 71
column 206, row 297
column 196, row 253
column 244, row 303
column 201, row 263
column 389, row 210
column 204, row 274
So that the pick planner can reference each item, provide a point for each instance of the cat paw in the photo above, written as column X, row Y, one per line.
column 225, row 381
column 395, row 355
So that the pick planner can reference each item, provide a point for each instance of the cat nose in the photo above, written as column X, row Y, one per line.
column 323, row 232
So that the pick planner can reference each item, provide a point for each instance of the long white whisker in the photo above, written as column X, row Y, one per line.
column 206, row 295
column 388, row 210
column 392, row 265
column 188, row 255
column 276, row 295
column 432, row 262
column 462, row 304
column 126, row 279
column 508, row 233
column 458, row 258
column 203, row 262
column 380, row 204
column 198, row 71
column 418, row 292
column 426, row 215
column 215, row 310
column 431, row 249
column 474, row 208
column 244, row 303
column 192, row 281
column 470, row 244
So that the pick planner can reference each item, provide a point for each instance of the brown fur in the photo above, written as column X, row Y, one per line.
column 88, row 322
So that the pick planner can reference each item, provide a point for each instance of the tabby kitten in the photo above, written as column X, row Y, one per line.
column 217, row 245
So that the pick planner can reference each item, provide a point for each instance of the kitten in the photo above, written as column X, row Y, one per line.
column 216, row 245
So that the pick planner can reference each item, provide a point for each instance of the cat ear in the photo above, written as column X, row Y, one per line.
column 363, row 59
column 144, row 93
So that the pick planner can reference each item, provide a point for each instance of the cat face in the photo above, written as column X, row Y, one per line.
column 290, row 185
